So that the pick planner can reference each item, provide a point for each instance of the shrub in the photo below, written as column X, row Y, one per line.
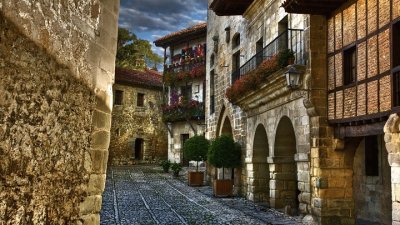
column 224, row 152
column 176, row 168
column 195, row 148
column 166, row 165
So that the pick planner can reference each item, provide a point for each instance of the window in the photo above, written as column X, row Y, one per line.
column 227, row 34
column 212, row 60
column 396, row 64
column 236, row 40
column 396, row 44
column 349, row 66
column 212, row 94
column 186, row 91
column 118, row 97
column 140, row 99
column 235, row 66
column 396, row 89
column 371, row 156
column 259, row 51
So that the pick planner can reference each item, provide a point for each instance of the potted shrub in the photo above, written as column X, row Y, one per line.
column 165, row 165
column 286, row 57
column 224, row 153
column 176, row 168
column 195, row 149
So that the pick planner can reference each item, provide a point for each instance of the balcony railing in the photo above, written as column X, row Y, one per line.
column 290, row 39
column 186, row 67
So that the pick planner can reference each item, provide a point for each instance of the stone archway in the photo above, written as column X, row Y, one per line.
column 258, row 179
column 226, row 127
column 284, row 191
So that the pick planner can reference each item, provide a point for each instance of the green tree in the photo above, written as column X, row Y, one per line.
column 195, row 148
column 224, row 153
column 134, row 53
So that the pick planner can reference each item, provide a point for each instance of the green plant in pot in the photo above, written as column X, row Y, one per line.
column 165, row 164
column 224, row 153
column 286, row 57
column 195, row 149
column 176, row 168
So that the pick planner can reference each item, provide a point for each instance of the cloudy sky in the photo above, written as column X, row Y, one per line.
column 152, row 19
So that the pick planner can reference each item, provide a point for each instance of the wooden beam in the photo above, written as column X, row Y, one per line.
column 360, row 130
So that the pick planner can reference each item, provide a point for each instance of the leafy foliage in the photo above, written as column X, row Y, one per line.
column 224, row 152
column 166, row 164
column 182, row 110
column 176, row 168
column 255, row 78
column 134, row 53
column 171, row 77
column 195, row 148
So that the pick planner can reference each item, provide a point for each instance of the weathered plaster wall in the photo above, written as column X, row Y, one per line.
column 130, row 121
column 57, row 66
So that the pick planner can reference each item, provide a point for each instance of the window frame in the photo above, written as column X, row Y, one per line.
column 118, row 97
column 349, row 65
column 140, row 99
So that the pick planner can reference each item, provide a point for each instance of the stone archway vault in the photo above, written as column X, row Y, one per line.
column 258, row 168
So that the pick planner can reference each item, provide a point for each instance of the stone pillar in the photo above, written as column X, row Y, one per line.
column 332, row 187
column 257, row 180
column 282, row 182
column 392, row 140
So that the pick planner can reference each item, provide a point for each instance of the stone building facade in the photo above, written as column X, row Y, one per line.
column 137, row 131
column 57, row 69
column 329, row 147
column 184, row 76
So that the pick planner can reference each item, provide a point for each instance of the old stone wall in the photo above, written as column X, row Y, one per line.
column 57, row 66
column 224, row 111
column 131, row 122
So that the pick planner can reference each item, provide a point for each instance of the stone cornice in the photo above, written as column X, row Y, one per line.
column 271, row 94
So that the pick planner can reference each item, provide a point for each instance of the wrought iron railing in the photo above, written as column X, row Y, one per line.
column 291, row 39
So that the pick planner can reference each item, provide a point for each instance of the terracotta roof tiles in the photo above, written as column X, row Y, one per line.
column 148, row 78
column 181, row 33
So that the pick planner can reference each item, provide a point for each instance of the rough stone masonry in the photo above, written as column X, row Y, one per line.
column 56, row 76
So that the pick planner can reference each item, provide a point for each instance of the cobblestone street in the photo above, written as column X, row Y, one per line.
column 145, row 195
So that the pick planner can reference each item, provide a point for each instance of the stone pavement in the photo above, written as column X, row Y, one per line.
column 142, row 194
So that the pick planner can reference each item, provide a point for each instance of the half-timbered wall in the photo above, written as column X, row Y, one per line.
column 367, row 26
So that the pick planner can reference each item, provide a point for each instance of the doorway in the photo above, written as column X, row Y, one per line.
column 138, row 149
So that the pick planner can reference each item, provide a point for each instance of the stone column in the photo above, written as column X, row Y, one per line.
column 282, row 181
column 257, row 180
column 392, row 139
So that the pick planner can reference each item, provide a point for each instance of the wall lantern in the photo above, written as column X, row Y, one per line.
column 292, row 77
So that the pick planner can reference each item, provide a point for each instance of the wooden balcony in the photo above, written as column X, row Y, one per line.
column 313, row 7
column 229, row 7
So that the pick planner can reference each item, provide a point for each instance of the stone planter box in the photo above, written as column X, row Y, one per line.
column 223, row 188
column 195, row 178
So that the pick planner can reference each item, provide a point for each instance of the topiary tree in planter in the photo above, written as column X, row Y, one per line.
column 195, row 149
column 224, row 153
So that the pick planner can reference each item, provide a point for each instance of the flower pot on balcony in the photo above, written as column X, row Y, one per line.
column 290, row 61
column 195, row 178
column 223, row 188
